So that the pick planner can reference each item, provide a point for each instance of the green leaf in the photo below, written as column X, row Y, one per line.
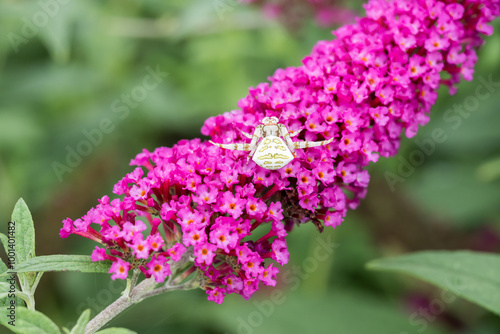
column 116, row 330
column 5, row 243
column 4, row 288
column 471, row 275
column 24, row 232
column 82, row 263
column 81, row 323
column 4, row 291
column 337, row 311
column 3, row 267
column 3, row 296
column 30, row 322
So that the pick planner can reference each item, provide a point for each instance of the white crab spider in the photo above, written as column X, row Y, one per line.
column 272, row 152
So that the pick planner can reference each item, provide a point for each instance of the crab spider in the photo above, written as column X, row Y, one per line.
column 276, row 149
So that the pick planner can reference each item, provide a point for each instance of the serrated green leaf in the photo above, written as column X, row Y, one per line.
column 81, row 323
column 3, row 296
column 30, row 322
column 24, row 232
column 471, row 275
column 82, row 263
column 5, row 242
column 116, row 330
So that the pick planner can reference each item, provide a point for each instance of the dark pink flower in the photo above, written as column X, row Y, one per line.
column 158, row 268
column 176, row 251
column 119, row 269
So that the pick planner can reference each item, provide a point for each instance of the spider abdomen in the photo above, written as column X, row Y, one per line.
column 272, row 153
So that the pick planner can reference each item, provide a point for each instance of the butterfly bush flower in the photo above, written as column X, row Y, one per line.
column 195, row 207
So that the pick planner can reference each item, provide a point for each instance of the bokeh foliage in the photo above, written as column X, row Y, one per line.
column 65, row 79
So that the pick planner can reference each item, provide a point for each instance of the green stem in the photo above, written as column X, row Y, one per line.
column 142, row 291
column 186, row 286
column 119, row 305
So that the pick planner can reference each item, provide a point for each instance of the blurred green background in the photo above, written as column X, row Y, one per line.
column 77, row 68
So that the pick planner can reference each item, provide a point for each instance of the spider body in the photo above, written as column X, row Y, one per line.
column 272, row 153
column 271, row 146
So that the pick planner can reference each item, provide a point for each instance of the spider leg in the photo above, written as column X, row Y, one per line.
column 295, row 133
column 252, row 151
column 246, row 134
column 286, row 135
column 255, row 138
column 306, row 144
column 235, row 146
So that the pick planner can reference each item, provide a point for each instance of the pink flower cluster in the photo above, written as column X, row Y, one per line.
column 292, row 13
column 197, row 201
column 379, row 77
column 199, row 205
